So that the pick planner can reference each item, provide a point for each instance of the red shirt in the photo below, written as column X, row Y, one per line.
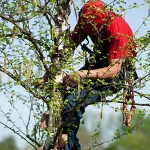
column 116, row 40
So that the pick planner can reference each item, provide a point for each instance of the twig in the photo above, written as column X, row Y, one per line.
column 16, row 132
column 106, row 101
column 21, row 82
column 8, row 119
column 31, row 39
column 28, row 136
column 29, row 118
column 116, row 137
column 19, row 114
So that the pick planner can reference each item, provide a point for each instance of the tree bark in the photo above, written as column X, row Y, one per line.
column 62, row 27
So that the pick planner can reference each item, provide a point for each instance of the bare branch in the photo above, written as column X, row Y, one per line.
column 106, row 101
column 8, row 119
column 19, row 115
column 21, row 83
column 16, row 132
column 34, row 141
column 16, row 14
column 45, row 11
column 27, row 126
column 32, row 40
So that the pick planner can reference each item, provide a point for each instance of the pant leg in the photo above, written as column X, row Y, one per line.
column 76, row 145
column 73, row 126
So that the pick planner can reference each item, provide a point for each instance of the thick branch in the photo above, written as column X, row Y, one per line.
column 26, row 38
column 106, row 101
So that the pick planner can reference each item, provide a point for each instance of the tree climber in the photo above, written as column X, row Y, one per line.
column 114, row 48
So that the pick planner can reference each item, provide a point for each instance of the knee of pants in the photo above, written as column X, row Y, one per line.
column 78, row 113
column 74, row 118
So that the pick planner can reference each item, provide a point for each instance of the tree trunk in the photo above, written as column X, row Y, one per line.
column 62, row 27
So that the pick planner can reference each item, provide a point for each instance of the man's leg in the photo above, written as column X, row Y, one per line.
column 76, row 145
column 92, row 97
column 74, row 118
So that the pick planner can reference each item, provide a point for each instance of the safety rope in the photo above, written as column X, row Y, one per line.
column 128, row 97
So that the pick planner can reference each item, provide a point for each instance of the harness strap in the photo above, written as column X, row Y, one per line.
column 86, row 49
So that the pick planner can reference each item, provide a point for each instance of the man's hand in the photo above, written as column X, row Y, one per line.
column 71, row 79
column 37, row 82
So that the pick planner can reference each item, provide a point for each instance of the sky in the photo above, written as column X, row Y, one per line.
column 134, row 18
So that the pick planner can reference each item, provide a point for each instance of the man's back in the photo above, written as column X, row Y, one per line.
column 115, row 38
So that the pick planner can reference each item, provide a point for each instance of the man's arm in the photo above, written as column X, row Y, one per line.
column 103, row 73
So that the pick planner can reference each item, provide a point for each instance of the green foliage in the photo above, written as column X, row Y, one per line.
column 8, row 143
column 27, row 147
column 29, row 35
column 136, row 141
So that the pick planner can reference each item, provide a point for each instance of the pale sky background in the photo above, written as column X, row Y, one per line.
column 134, row 17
